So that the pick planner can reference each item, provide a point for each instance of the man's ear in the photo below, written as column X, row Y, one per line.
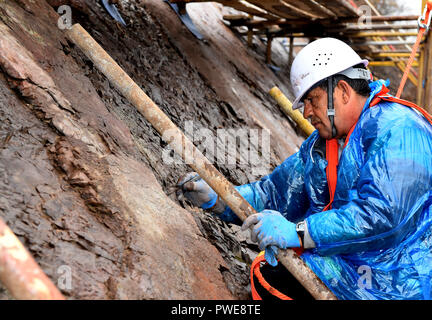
column 345, row 91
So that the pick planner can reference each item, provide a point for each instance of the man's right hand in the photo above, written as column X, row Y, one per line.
column 197, row 191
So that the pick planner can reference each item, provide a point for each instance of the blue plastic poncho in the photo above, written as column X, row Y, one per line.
column 376, row 242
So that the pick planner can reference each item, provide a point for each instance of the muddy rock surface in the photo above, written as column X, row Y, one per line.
column 86, row 181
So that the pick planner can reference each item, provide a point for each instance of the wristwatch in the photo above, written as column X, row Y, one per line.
column 300, row 228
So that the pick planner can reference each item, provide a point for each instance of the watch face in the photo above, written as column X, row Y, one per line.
column 300, row 226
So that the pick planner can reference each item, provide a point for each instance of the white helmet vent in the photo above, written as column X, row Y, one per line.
column 323, row 59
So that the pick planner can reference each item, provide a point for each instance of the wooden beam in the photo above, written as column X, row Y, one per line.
column 381, row 18
column 391, row 54
column 283, row 9
column 313, row 29
column 382, row 43
column 247, row 7
column 372, row 27
column 363, row 51
column 240, row 5
column 237, row 18
column 387, row 64
column 312, row 6
column 383, row 34
column 327, row 22
column 342, row 8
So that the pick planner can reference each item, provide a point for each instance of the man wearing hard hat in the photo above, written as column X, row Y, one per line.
column 357, row 196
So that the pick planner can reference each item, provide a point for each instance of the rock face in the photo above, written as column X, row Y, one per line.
column 83, row 182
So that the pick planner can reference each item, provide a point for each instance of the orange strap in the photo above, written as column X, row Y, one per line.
column 423, row 29
column 332, row 156
column 405, row 103
column 255, row 270
column 383, row 95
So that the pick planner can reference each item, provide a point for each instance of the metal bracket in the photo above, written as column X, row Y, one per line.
column 180, row 10
column 113, row 11
column 423, row 18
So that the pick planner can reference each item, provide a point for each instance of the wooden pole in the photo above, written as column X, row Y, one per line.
column 20, row 273
column 294, row 115
column 424, row 57
column 421, row 73
column 269, row 49
column 190, row 154
column 427, row 101
column 291, row 52
column 250, row 35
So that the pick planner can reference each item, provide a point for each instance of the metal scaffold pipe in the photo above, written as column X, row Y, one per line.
column 192, row 156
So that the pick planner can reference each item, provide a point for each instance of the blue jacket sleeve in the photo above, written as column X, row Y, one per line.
column 282, row 190
column 386, row 201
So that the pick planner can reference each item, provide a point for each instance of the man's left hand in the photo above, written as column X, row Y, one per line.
column 271, row 230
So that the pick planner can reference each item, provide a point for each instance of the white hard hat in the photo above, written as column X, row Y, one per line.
column 321, row 59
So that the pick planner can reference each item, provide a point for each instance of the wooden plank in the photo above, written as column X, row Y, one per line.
column 342, row 8
column 283, row 9
column 240, row 5
column 371, row 27
column 250, row 8
column 237, row 17
column 312, row 6
column 382, row 18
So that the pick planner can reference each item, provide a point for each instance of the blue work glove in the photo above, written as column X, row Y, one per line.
column 197, row 191
column 271, row 230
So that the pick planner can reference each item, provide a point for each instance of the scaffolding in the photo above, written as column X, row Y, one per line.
column 386, row 41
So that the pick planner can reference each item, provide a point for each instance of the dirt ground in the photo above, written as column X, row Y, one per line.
column 84, row 182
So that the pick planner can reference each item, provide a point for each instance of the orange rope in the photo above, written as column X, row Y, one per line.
column 414, row 50
column 256, row 271
column 332, row 147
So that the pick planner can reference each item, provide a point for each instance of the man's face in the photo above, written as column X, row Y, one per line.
column 315, row 108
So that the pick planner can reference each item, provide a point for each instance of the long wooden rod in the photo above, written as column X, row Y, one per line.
column 294, row 115
column 192, row 156
column 20, row 273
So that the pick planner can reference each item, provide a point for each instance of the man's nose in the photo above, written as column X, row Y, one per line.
column 307, row 111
